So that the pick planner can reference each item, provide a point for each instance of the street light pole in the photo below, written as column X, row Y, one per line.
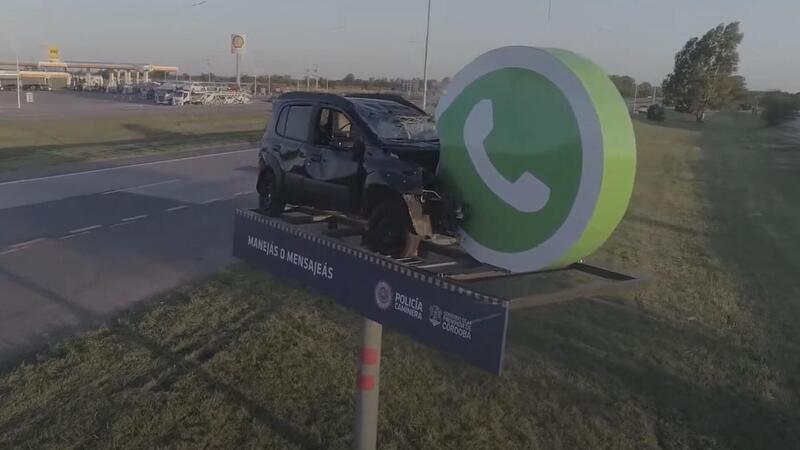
column 19, row 100
column 425, row 64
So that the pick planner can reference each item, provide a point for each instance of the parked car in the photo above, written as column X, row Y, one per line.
column 36, row 87
column 370, row 155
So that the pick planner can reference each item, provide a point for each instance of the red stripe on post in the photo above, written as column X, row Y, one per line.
column 369, row 356
column 366, row 382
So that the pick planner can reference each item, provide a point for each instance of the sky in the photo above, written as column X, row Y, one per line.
column 383, row 38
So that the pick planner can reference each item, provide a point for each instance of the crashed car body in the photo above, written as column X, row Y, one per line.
column 370, row 155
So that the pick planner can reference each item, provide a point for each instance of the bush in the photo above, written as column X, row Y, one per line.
column 779, row 107
column 656, row 112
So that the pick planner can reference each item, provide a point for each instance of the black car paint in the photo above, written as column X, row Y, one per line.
column 347, row 180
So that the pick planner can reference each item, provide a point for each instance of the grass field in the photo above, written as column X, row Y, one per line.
column 704, row 356
column 32, row 143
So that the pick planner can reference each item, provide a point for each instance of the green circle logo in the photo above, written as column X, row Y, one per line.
column 539, row 145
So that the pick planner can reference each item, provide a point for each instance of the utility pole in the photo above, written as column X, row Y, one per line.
column 425, row 64
column 635, row 95
column 19, row 99
column 269, row 84
column 316, row 77
column 208, row 63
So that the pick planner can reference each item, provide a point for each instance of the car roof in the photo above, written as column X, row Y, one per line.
column 345, row 100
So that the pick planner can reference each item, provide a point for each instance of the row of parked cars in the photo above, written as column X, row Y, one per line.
column 25, row 87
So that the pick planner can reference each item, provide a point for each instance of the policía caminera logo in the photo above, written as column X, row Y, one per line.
column 435, row 315
column 538, row 144
column 383, row 295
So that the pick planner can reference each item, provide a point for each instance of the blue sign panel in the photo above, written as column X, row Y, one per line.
column 434, row 311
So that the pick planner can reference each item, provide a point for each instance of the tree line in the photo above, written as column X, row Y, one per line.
column 704, row 78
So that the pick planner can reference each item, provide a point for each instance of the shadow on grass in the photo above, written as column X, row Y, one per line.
column 626, row 354
column 758, row 239
column 171, row 366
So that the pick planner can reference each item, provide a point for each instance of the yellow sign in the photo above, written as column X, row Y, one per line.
column 53, row 53
column 237, row 43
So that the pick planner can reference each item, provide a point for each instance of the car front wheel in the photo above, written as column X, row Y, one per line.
column 270, row 199
column 389, row 230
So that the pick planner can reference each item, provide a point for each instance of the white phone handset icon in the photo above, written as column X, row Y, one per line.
column 526, row 194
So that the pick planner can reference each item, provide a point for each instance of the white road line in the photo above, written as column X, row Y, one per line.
column 26, row 243
column 11, row 250
column 128, row 219
column 242, row 193
column 81, row 230
column 108, row 169
column 176, row 208
column 211, row 200
column 141, row 186
column 70, row 236
column 121, row 224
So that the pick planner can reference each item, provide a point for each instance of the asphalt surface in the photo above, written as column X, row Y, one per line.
column 77, row 248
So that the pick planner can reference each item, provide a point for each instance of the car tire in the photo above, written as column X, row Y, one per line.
column 270, row 198
column 389, row 230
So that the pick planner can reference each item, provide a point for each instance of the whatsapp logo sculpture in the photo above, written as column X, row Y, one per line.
column 539, row 145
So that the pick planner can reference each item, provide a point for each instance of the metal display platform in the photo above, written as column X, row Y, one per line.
column 443, row 297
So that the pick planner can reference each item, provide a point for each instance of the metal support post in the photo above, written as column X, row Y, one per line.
column 238, row 75
column 366, row 435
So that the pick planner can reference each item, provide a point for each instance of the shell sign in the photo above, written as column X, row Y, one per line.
column 237, row 43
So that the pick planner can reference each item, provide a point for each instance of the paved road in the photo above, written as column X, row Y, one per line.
column 77, row 248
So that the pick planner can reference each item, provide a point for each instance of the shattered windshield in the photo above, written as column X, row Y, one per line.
column 394, row 121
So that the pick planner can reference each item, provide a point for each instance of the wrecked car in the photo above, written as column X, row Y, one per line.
column 370, row 155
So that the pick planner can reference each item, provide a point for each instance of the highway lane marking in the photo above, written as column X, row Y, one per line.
column 242, row 193
column 141, row 186
column 70, row 236
column 211, row 200
column 89, row 228
column 108, row 169
column 26, row 243
column 121, row 224
column 11, row 250
column 129, row 219
column 176, row 208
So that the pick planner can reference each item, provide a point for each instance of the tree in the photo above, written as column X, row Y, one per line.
column 349, row 78
column 701, row 76
column 645, row 89
column 624, row 84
